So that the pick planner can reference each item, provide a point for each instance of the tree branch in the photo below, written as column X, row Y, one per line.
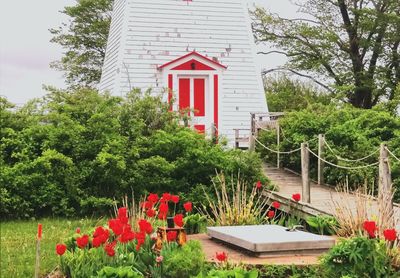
column 279, row 52
column 265, row 72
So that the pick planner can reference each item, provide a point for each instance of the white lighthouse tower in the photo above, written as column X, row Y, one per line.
column 203, row 51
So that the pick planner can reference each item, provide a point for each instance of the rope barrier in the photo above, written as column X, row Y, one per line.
column 392, row 154
column 349, row 160
column 342, row 167
column 275, row 151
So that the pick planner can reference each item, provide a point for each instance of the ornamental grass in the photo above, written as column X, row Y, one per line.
column 351, row 210
column 234, row 203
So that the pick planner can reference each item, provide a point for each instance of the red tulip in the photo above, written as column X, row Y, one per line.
column 178, row 220
column 276, row 205
column 152, row 198
column 116, row 226
column 271, row 214
column 140, row 237
column 166, row 197
column 171, row 235
column 162, row 215
column 151, row 213
column 175, row 199
column 188, row 206
column 122, row 212
column 222, row 257
column 127, row 235
column 78, row 230
column 60, row 249
column 390, row 234
column 296, row 197
column 145, row 226
column 259, row 185
column 99, row 231
column 370, row 227
column 164, row 208
column 109, row 248
column 147, row 205
column 97, row 241
column 82, row 241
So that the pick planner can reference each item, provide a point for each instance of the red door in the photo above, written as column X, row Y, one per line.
column 192, row 98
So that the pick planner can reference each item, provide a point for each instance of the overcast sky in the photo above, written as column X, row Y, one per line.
column 26, row 51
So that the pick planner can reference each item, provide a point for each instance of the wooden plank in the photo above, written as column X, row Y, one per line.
column 323, row 197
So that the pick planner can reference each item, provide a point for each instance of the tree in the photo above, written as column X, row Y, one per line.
column 349, row 47
column 286, row 94
column 84, row 38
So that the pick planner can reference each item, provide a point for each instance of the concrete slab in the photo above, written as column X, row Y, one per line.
column 271, row 240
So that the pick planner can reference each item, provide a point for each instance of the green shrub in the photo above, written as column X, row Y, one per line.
column 183, row 262
column 232, row 273
column 352, row 133
column 72, row 153
column 292, row 271
column 359, row 257
column 194, row 223
column 118, row 272
column 322, row 224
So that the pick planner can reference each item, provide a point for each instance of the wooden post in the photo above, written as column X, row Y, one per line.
column 252, row 142
column 385, row 192
column 278, row 142
column 236, row 139
column 321, row 150
column 305, row 173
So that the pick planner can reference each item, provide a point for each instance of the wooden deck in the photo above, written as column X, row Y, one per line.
column 323, row 198
column 211, row 246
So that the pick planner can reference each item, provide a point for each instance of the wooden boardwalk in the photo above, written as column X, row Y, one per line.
column 323, row 198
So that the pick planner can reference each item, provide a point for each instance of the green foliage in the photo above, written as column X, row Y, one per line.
column 359, row 257
column 285, row 94
column 292, row 271
column 118, row 272
column 194, row 223
column 75, row 152
column 183, row 262
column 232, row 273
column 18, row 245
column 352, row 133
column 351, row 45
column 322, row 224
column 84, row 38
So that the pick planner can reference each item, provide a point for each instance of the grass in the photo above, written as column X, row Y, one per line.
column 18, row 244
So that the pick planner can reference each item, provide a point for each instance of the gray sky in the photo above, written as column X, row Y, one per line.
column 26, row 51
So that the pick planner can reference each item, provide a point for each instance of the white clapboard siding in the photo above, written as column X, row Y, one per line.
column 145, row 34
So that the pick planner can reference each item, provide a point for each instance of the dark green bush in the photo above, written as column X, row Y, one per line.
column 72, row 153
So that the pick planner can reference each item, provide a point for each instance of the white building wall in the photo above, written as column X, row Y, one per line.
column 148, row 33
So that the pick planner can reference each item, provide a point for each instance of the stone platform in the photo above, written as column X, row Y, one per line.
column 271, row 240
